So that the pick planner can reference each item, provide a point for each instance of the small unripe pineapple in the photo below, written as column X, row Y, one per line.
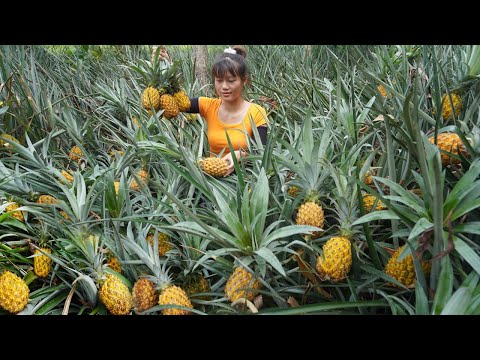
column 163, row 243
column 382, row 91
column 293, row 191
column 151, row 98
column 451, row 143
column 404, row 270
column 41, row 262
column 369, row 200
column 115, row 295
column 117, row 186
column 144, row 296
column 368, row 180
column 241, row 285
column 195, row 284
column 174, row 295
column 169, row 105
column 14, row 292
column 213, row 166
column 310, row 213
column 447, row 105
column 17, row 214
column 47, row 200
column 76, row 153
column 337, row 259
column 5, row 144
column 182, row 100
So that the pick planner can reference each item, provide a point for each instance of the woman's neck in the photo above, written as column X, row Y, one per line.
column 233, row 106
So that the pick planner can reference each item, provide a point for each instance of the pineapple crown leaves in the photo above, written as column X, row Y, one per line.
column 151, row 73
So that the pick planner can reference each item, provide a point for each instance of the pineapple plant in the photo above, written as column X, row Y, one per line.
column 67, row 176
column 41, row 261
column 113, row 263
column 404, row 270
column 191, row 117
column 449, row 143
column 6, row 144
column 293, row 191
column 382, row 91
column 115, row 295
column 169, row 293
column 14, row 292
column 213, row 166
column 196, row 283
column 116, row 184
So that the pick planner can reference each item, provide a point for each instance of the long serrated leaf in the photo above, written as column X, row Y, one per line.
column 270, row 258
column 288, row 231
column 465, row 208
column 444, row 287
column 377, row 215
column 420, row 227
column 467, row 253
column 472, row 227
column 421, row 301
column 458, row 303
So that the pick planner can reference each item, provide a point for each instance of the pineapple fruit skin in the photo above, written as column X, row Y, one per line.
column 114, row 264
column 75, row 153
column 144, row 176
column 14, row 292
column 3, row 143
column 369, row 200
column 337, row 260
column 163, row 243
column 19, row 215
column 293, row 191
column 213, row 166
column 404, row 270
column 240, row 285
column 449, row 142
column 169, row 105
column 67, row 176
column 447, row 106
column 174, row 295
column 197, row 284
column 115, row 295
column 310, row 213
column 144, row 296
column 42, row 263
column 182, row 99
column 151, row 98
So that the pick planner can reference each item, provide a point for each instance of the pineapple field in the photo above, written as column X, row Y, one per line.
column 365, row 199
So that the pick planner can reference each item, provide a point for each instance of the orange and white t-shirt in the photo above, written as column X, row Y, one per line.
column 216, row 129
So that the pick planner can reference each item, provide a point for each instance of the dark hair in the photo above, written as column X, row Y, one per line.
column 234, row 64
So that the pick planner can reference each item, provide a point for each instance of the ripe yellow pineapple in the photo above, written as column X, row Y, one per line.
column 311, row 213
column 6, row 144
column 17, row 214
column 195, row 284
column 369, row 200
column 151, row 98
column 75, row 153
column 14, row 292
column 451, row 143
column 368, row 180
column 174, row 295
column 144, row 176
column 337, row 259
column 41, row 262
column 68, row 176
column 404, row 270
column 382, row 91
column 47, row 200
column 169, row 105
column 182, row 100
column 213, row 166
column 163, row 243
column 447, row 105
column 115, row 295
column 241, row 285
column 144, row 294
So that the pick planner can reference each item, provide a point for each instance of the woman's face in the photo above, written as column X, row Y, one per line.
column 229, row 88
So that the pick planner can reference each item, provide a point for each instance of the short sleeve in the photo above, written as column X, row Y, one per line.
column 260, row 117
column 204, row 104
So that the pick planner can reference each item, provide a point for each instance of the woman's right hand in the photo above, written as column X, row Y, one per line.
column 162, row 55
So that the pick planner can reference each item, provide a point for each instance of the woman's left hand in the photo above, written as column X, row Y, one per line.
column 228, row 158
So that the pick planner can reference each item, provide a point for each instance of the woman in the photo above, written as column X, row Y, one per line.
column 230, row 112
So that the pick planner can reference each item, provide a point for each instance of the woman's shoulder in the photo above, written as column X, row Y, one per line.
column 254, row 107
